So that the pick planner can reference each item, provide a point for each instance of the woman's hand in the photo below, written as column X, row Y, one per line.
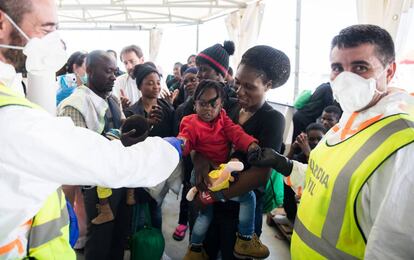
column 155, row 115
column 170, row 97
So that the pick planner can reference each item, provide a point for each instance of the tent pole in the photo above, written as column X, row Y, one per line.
column 297, row 48
column 197, row 37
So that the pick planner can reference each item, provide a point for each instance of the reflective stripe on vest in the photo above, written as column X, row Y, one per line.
column 49, row 233
column 9, row 97
column 42, row 233
column 326, row 224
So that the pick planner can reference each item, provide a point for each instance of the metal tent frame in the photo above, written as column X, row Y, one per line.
column 141, row 14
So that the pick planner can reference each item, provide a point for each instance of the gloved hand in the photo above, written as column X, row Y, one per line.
column 176, row 143
column 267, row 157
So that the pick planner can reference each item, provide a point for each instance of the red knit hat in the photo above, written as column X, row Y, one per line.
column 217, row 56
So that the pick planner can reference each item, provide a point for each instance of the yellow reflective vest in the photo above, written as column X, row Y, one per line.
column 327, row 224
column 49, row 233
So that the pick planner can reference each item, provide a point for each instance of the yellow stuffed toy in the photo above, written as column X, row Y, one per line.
column 220, row 178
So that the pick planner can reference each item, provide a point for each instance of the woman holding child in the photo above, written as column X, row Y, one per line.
column 261, row 68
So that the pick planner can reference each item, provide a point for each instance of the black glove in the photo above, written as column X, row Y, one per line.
column 267, row 157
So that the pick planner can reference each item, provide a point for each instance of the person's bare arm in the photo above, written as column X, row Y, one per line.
column 248, row 180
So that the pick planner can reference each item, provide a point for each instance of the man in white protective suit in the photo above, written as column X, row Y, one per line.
column 40, row 152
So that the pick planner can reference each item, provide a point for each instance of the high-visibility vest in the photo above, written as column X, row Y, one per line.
column 327, row 226
column 49, row 233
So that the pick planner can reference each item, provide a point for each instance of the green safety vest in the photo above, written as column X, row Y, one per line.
column 327, row 225
column 49, row 233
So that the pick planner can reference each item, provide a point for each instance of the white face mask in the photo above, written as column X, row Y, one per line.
column 44, row 57
column 353, row 92
column 44, row 54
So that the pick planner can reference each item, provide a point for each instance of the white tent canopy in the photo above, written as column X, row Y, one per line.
column 243, row 21
column 141, row 14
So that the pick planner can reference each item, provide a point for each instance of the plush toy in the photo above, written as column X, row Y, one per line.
column 220, row 178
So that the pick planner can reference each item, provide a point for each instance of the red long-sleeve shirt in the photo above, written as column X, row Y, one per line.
column 213, row 139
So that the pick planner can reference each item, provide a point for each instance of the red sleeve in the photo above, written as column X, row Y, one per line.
column 236, row 134
column 188, row 132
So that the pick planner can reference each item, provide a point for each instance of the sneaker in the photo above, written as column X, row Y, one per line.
column 179, row 233
column 253, row 248
column 195, row 255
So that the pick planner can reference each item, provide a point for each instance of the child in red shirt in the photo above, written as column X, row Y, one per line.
column 211, row 132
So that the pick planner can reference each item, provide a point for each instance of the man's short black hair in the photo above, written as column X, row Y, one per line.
column 207, row 84
column 315, row 126
column 334, row 110
column 132, row 48
column 95, row 57
column 359, row 34
column 112, row 51
column 16, row 9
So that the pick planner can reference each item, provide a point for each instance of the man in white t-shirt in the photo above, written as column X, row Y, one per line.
column 125, row 87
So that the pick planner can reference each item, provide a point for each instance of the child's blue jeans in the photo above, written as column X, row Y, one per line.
column 246, row 218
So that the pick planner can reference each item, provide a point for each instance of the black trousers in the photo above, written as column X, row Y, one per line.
column 108, row 240
column 184, row 205
column 221, row 234
column 289, row 203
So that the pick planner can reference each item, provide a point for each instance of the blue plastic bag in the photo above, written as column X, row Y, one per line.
column 73, row 225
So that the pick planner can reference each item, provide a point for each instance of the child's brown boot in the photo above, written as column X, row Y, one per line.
column 105, row 214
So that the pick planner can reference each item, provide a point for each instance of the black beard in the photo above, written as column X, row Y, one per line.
column 13, row 56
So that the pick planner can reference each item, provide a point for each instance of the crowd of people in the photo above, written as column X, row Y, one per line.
column 117, row 135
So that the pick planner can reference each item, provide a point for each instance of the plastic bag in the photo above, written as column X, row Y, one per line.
column 73, row 225
column 148, row 243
